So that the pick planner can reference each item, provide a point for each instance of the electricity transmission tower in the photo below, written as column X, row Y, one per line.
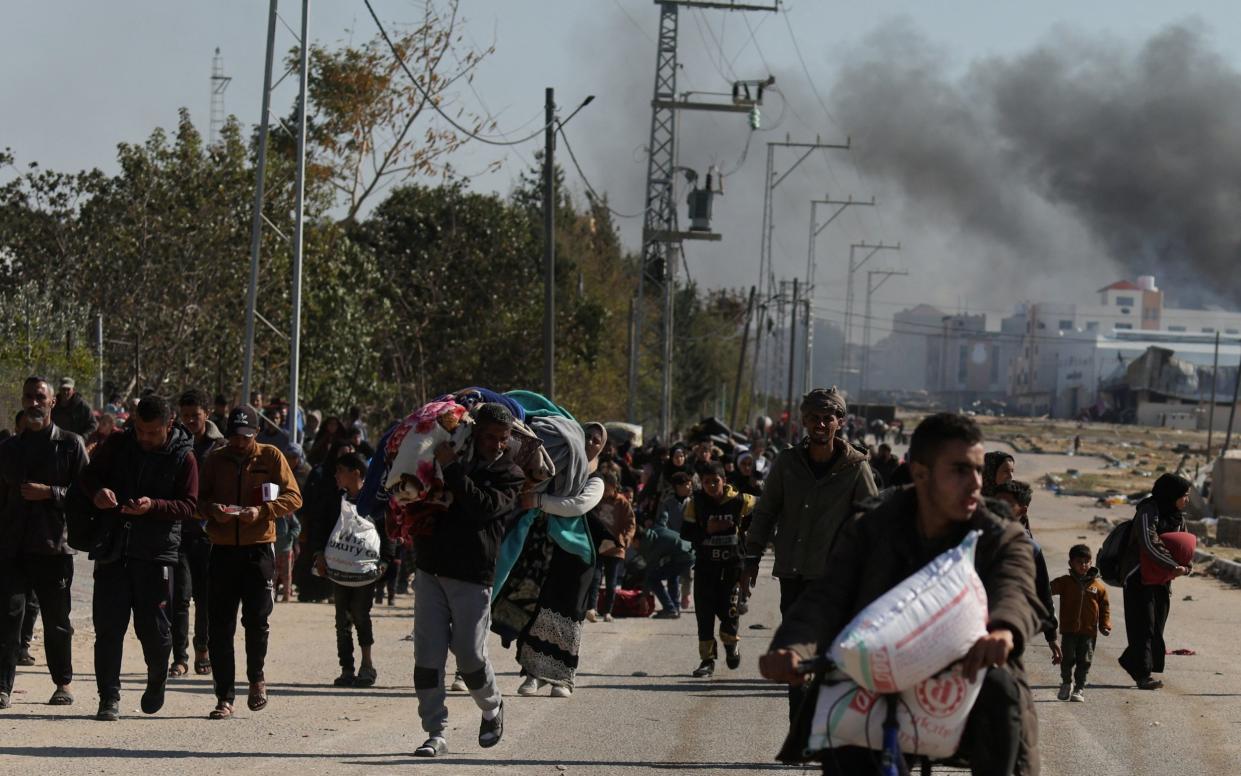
column 661, row 239
column 854, row 266
column 219, row 84
column 884, row 276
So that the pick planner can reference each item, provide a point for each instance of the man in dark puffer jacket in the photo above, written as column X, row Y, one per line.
column 144, row 484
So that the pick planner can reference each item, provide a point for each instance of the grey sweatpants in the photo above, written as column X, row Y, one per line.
column 456, row 615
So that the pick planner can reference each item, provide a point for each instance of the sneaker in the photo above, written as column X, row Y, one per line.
column 458, row 684
column 707, row 668
column 109, row 710
column 25, row 658
column 346, row 678
column 1078, row 696
column 559, row 691
column 490, row 731
column 607, row 617
column 62, row 697
column 530, row 686
column 667, row 614
column 153, row 696
column 592, row 615
column 732, row 656
column 1150, row 683
column 432, row 747
column 5, row 700
column 1065, row 690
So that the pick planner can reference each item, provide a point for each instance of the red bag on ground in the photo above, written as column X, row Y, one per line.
column 631, row 603
column 1181, row 544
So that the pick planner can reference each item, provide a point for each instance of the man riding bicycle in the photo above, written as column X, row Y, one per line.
column 895, row 538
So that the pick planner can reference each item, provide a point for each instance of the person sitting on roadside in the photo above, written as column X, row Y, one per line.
column 896, row 537
column 668, row 559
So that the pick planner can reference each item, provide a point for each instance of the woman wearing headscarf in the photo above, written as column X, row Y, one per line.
column 743, row 477
column 547, row 561
column 1147, row 605
column 997, row 469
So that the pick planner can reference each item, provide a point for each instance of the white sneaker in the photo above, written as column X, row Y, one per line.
column 607, row 617
column 1078, row 695
column 530, row 686
column 1065, row 689
column 592, row 615
column 458, row 684
column 561, row 692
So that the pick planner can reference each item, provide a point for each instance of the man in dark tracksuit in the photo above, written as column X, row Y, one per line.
column 190, row 573
column 716, row 520
column 144, row 483
column 36, row 469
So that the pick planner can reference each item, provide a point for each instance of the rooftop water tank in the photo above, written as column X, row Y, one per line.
column 1147, row 283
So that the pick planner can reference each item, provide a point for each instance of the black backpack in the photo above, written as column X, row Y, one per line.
column 1111, row 558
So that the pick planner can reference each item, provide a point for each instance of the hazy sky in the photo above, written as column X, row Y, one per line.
column 82, row 76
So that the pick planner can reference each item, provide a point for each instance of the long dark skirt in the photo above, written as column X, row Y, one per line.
column 542, row 606
column 1146, row 614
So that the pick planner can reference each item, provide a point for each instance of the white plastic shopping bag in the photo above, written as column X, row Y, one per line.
column 352, row 554
column 919, row 627
column 931, row 715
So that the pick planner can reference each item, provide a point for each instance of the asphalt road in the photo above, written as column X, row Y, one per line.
column 636, row 710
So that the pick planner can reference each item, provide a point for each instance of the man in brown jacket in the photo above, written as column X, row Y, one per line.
column 244, row 487
column 883, row 546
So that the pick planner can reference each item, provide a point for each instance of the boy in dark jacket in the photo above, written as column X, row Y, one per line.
column 353, row 604
column 1084, row 613
column 715, row 521
column 144, row 483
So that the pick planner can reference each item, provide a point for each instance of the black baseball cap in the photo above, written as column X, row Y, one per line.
column 244, row 420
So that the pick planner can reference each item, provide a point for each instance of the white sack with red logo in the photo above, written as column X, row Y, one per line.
column 919, row 627
column 931, row 714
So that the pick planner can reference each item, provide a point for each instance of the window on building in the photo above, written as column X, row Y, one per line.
column 1124, row 301
column 1208, row 330
column 1176, row 328
column 1042, row 325
column 962, row 364
column 1092, row 326
column 994, row 377
column 1066, row 325
column 1123, row 326
column 1231, row 331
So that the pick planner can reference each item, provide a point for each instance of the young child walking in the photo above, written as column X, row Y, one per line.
column 1084, row 613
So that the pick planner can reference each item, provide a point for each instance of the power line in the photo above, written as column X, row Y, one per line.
column 586, row 181
column 806, row 70
column 431, row 100
column 633, row 21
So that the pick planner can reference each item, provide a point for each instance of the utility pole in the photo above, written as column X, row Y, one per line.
column 299, row 193
column 1232, row 411
column 871, row 287
column 745, row 340
column 841, row 206
column 1211, row 413
column 788, row 406
column 98, row 355
column 549, row 246
column 660, row 236
column 871, row 249
column 256, row 218
column 771, row 180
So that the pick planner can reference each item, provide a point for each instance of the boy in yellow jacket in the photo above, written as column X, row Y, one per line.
column 1084, row 613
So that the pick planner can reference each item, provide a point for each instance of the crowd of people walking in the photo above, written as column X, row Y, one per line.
column 194, row 511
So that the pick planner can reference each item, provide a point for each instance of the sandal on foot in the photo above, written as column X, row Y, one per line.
column 366, row 677
column 222, row 710
column 202, row 664
column 62, row 697
column 257, row 700
column 178, row 670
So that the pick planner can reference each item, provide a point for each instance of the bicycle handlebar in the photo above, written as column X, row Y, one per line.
column 816, row 665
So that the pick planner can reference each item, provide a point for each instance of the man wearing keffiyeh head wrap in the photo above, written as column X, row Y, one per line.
column 807, row 497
